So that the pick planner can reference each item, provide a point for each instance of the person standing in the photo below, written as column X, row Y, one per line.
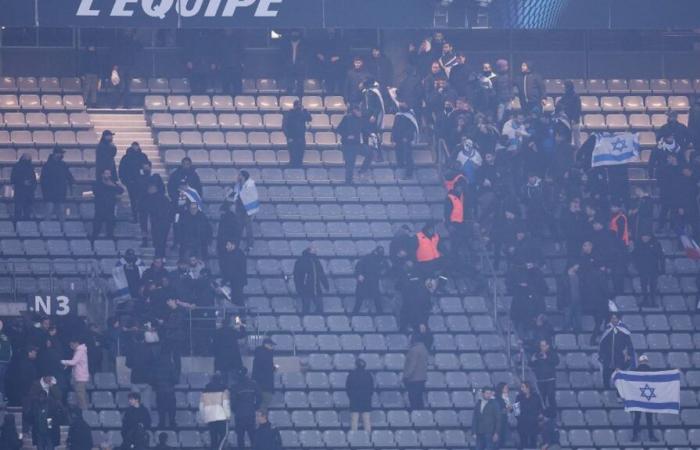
column 544, row 363
column 164, row 381
column 530, row 407
column 56, row 180
column 5, row 358
column 9, row 439
column 195, row 232
column 106, row 192
column 415, row 372
column 23, row 181
column 294, row 54
column 266, row 437
column 531, row 88
column 21, row 374
column 310, row 280
column 131, row 168
column 570, row 104
column 616, row 350
column 643, row 366
column 359, row 386
column 90, row 70
column 648, row 258
column 246, row 397
column 405, row 134
column 227, row 352
column 234, row 271
column 79, row 434
column 354, row 79
column 81, row 373
column 175, row 333
column 44, row 413
column 247, row 203
column 135, row 424
column 503, row 89
column 160, row 215
column 264, row 371
column 294, row 128
column 369, row 271
column 185, row 175
column 486, row 421
column 104, row 156
column 331, row 57
column 215, row 411
column 352, row 130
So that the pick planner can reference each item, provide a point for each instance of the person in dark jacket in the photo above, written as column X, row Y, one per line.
column 21, row 374
column 332, row 58
column 130, row 169
column 104, row 156
column 79, row 434
column 195, row 233
column 570, row 104
column 264, row 371
column 310, row 280
column 135, row 424
column 294, row 128
column 674, row 128
column 544, row 363
column 230, row 228
column 139, row 359
column 648, row 258
column 183, row 175
column 246, row 397
column 23, row 181
column 359, row 386
column 505, row 407
column 227, row 352
column 294, row 60
column 234, row 271
column 530, row 406
column 354, row 79
column 44, row 413
column 56, row 180
column 486, row 421
column 106, row 192
column 616, row 350
column 352, row 131
column 503, row 89
column 266, row 437
column 163, row 382
column 404, row 134
column 160, row 216
column 369, row 271
column 380, row 68
column 643, row 366
column 531, row 88
column 9, row 439
column 174, row 337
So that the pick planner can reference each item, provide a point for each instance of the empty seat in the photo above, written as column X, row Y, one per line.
column 312, row 103
column 639, row 86
column 611, row 104
column 200, row 103
column 184, row 121
column 267, row 86
column 158, row 86
column 229, row 121
column 594, row 121
column 589, row 103
column 678, row 103
column 633, row 103
column 616, row 122
column 660, row 86
column 8, row 85
column 656, row 103
column 55, row 120
column 245, row 103
column 27, row 84
column 155, row 103
column 335, row 103
column 252, row 121
column 178, row 103
column 71, row 85
column 9, row 102
column 682, row 86
column 268, row 103
column 222, row 103
column 639, row 121
column 162, row 121
column 30, row 102
column 74, row 102
column 618, row 86
column 596, row 86
column 554, row 86
column 52, row 102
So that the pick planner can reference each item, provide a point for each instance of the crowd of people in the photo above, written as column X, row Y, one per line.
column 514, row 178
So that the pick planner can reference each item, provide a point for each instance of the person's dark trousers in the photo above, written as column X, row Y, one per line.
column 484, row 442
column 232, row 81
column 528, row 437
column 607, row 373
column 296, row 152
column 248, row 230
column 133, row 199
column 404, row 157
column 244, row 425
column 350, row 152
column 295, row 80
column 174, row 350
column 368, row 290
column 165, row 402
column 636, row 425
column 160, row 239
column 3, row 371
column 97, row 224
column 217, row 433
column 306, row 301
column 548, row 390
column 44, row 443
column 415, row 394
column 23, row 204
column 649, row 286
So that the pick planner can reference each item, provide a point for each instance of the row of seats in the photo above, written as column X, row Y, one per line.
column 49, row 102
column 241, row 103
column 621, row 122
column 72, row 155
column 248, row 121
column 19, row 120
column 46, row 85
column 44, row 138
column 632, row 104
column 623, row 86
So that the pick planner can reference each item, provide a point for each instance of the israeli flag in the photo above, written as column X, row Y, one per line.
column 613, row 149
column 193, row 196
column 653, row 392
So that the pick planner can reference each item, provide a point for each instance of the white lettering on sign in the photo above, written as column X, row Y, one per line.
column 184, row 8
column 45, row 305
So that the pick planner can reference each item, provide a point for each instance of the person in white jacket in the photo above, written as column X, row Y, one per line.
column 81, row 374
column 215, row 411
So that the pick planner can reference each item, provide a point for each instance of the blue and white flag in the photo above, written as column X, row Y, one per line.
column 613, row 149
column 193, row 196
column 653, row 392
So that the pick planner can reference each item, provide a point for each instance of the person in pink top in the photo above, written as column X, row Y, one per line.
column 81, row 375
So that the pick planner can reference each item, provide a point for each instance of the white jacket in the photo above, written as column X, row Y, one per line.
column 214, row 406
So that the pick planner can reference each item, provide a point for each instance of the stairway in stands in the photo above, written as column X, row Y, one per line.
column 128, row 126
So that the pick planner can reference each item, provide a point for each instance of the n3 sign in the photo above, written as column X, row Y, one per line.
column 51, row 306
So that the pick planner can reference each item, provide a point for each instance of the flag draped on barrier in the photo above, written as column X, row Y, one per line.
column 613, row 149
column 654, row 392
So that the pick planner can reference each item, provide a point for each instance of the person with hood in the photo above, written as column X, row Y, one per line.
column 44, row 414
column 294, row 124
column 353, row 130
column 616, row 351
column 104, row 156
column 354, row 80
column 23, row 181
column 226, row 349
column 56, row 180
column 405, row 134
column 310, row 280
column 359, row 386
column 648, row 258
column 570, row 105
column 643, row 366
column 503, row 89
column 246, row 397
column 244, row 196
column 369, row 271
column 79, row 434
column 195, row 232
column 266, row 437
column 674, row 128
column 415, row 372
column 531, row 88
column 9, row 439
column 106, row 192
column 215, row 411
column 135, row 424
column 81, row 374
column 183, row 175
column 233, row 264
column 159, row 212
column 130, row 169
column 264, row 371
